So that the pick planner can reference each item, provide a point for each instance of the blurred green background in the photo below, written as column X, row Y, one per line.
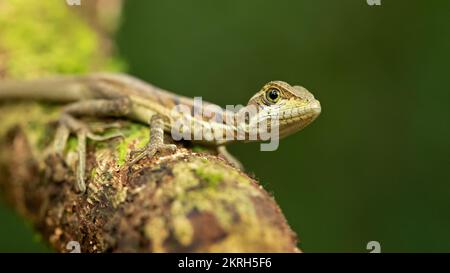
column 374, row 166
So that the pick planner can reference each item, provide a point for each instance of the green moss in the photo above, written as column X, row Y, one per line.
column 225, row 188
column 211, row 176
column 38, row 38
column 46, row 37
column 134, row 134
column 199, row 149
column 93, row 174
column 72, row 144
column 34, row 122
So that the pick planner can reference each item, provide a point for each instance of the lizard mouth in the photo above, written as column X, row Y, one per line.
column 294, row 121
column 314, row 109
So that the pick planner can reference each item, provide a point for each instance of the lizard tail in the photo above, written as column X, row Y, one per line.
column 57, row 89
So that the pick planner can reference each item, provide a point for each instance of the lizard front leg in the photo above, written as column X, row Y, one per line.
column 156, row 143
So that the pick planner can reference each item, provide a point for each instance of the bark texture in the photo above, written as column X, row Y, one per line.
column 192, row 201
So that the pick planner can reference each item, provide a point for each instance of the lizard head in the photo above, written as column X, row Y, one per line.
column 294, row 106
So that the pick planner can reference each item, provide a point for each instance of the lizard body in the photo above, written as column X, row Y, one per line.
column 124, row 96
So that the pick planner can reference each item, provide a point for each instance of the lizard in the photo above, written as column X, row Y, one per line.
column 125, row 96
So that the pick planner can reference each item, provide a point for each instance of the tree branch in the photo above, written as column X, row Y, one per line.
column 188, row 202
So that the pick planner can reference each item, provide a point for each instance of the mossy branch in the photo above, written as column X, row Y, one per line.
column 189, row 201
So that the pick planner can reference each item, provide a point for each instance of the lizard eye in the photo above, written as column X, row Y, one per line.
column 273, row 95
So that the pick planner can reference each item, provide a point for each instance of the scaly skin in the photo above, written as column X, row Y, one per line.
column 121, row 95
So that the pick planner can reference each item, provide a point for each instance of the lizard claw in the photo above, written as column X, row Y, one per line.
column 150, row 151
